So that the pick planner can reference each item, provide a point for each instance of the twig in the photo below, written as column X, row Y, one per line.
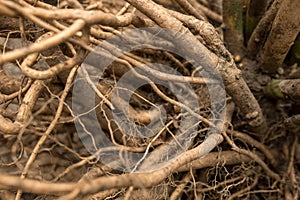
column 234, row 83
column 185, row 4
column 38, row 47
column 246, row 138
column 179, row 189
column 253, row 156
column 244, row 190
column 49, row 130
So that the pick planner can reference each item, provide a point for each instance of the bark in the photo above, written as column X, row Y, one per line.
column 262, row 29
column 255, row 10
column 234, row 83
column 285, row 29
column 284, row 89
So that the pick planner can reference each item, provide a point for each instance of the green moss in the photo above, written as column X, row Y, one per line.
column 250, row 24
column 272, row 90
column 295, row 52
